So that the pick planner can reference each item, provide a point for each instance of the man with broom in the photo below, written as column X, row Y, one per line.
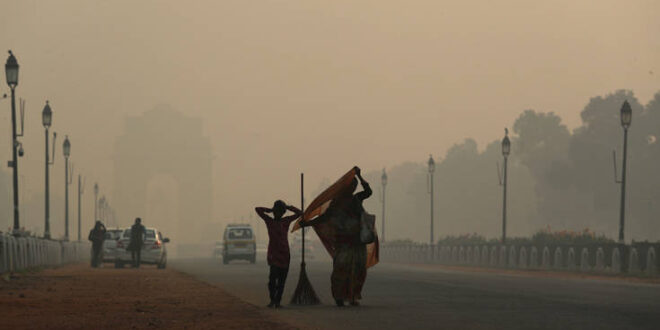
column 278, row 247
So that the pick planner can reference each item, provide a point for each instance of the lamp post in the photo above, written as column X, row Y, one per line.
column 383, row 180
column 80, row 192
column 102, row 208
column 96, row 200
column 11, row 72
column 506, row 150
column 431, row 164
column 47, row 120
column 626, row 119
column 66, row 148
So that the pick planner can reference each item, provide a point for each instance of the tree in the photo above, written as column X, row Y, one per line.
column 591, row 154
column 542, row 146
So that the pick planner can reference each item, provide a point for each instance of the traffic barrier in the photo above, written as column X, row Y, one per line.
column 20, row 253
column 638, row 257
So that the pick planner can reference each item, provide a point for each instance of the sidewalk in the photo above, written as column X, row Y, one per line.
column 79, row 297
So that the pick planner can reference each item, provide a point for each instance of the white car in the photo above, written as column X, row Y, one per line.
column 239, row 243
column 153, row 252
column 110, row 244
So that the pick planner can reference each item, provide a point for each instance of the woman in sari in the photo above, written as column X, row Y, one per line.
column 349, row 265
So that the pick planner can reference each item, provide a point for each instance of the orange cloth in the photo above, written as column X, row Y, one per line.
column 325, row 231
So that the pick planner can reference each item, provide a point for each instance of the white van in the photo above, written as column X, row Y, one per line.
column 238, row 243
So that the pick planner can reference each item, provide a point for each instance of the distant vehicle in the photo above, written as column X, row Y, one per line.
column 110, row 244
column 238, row 243
column 154, row 251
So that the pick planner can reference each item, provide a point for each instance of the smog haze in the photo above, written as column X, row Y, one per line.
column 284, row 87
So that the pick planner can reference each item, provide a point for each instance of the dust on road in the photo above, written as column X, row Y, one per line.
column 77, row 297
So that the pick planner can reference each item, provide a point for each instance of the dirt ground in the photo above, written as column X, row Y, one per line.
column 79, row 297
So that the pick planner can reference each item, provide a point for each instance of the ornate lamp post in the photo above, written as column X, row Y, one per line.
column 66, row 148
column 47, row 120
column 102, row 206
column 626, row 119
column 383, row 181
column 96, row 201
column 11, row 72
column 506, row 150
column 81, row 190
column 431, row 164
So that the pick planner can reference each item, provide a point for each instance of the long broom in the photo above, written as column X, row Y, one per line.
column 304, row 294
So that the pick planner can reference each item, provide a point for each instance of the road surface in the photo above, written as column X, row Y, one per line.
column 412, row 297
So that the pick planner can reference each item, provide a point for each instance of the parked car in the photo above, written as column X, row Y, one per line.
column 110, row 244
column 154, row 251
column 238, row 242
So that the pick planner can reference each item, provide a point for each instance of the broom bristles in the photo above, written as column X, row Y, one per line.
column 304, row 294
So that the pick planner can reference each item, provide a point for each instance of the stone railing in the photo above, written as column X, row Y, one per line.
column 19, row 253
column 636, row 258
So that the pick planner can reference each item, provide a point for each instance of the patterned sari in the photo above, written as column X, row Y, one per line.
column 349, row 265
column 340, row 234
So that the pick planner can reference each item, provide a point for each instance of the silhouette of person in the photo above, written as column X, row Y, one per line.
column 278, row 247
column 97, row 237
column 138, row 236
column 349, row 265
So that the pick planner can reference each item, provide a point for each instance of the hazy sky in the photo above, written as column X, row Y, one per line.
column 314, row 86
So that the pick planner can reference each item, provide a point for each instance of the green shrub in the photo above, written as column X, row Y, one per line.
column 542, row 237
column 547, row 236
column 473, row 238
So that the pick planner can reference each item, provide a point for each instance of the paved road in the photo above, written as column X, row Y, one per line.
column 400, row 297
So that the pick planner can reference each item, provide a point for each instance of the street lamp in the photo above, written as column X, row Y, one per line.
column 383, row 180
column 66, row 148
column 47, row 120
column 96, row 200
column 626, row 119
column 506, row 150
column 431, row 164
column 11, row 73
column 102, row 206
column 81, row 190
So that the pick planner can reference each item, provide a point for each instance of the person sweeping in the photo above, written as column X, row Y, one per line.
column 278, row 246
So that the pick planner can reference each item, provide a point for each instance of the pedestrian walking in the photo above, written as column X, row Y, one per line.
column 138, row 236
column 97, row 237
column 278, row 246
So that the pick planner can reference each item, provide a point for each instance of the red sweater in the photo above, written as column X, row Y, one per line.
column 278, row 244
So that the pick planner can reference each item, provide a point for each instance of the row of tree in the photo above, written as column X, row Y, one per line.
column 557, row 177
